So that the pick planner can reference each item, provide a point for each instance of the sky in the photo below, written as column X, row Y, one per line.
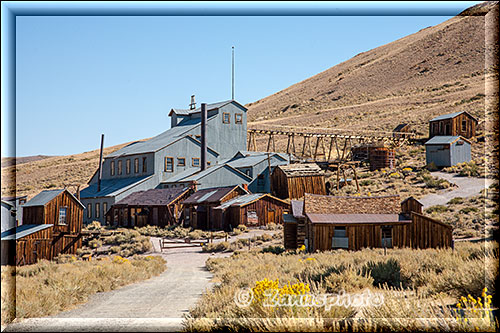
column 80, row 76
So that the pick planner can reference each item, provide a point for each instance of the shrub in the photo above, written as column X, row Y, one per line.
column 436, row 209
column 216, row 247
column 366, row 182
column 384, row 273
column 347, row 280
column 271, row 226
column 278, row 249
column 95, row 243
column 242, row 228
column 468, row 210
column 456, row 201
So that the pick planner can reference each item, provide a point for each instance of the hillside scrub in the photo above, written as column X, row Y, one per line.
column 46, row 288
column 433, row 279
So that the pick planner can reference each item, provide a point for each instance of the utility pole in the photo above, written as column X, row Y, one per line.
column 232, row 77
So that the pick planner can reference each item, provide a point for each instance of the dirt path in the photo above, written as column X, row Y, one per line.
column 154, row 305
column 467, row 187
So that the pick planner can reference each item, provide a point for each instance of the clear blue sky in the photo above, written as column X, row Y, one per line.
column 78, row 77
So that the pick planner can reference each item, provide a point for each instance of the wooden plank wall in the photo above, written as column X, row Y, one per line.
column 279, row 184
column 298, row 186
column 455, row 125
column 36, row 246
column 238, row 215
column 290, row 235
column 411, row 205
column 33, row 215
column 429, row 233
column 74, row 214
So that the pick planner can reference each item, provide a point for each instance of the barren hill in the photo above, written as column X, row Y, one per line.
column 438, row 70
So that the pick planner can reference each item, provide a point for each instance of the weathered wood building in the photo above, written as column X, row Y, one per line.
column 445, row 151
column 52, row 224
column 252, row 210
column 294, row 229
column 199, row 207
column 453, row 124
column 293, row 180
column 353, row 223
column 401, row 130
column 159, row 207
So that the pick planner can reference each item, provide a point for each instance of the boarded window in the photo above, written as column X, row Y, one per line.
column 89, row 210
column 181, row 161
column 238, row 118
column 136, row 165
column 104, row 208
column 340, row 239
column 144, row 165
column 169, row 164
column 97, row 210
column 62, row 215
column 120, row 167
column 464, row 125
column 226, row 118
column 252, row 218
column 127, row 166
column 386, row 236
column 112, row 168
column 196, row 162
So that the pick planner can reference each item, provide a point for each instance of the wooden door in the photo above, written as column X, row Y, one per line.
column 271, row 214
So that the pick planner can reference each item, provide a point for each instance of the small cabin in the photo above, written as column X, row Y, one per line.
column 252, row 210
column 401, row 131
column 453, row 124
column 159, row 207
column 52, row 224
column 293, row 180
column 199, row 206
column 445, row 151
column 353, row 223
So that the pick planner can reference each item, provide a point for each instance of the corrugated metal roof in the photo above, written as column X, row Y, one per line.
column 301, row 169
column 442, row 140
column 209, row 170
column 241, row 200
column 210, row 107
column 181, row 175
column 452, row 115
column 152, row 197
column 209, row 195
column 357, row 218
column 42, row 198
column 23, row 231
column 111, row 187
column 297, row 208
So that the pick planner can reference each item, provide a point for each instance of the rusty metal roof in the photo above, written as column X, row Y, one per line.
column 357, row 218
column 297, row 208
column 210, row 195
column 153, row 197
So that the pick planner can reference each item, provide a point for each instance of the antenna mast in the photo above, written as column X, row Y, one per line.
column 232, row 91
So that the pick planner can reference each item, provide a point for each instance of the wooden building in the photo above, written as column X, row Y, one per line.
column 52, row 224
column 353, row 223
column 199, row 207
column 401, row 130
column 252, row 210
column 160, row 207
column 294, row 229
column 453, row 124
column 293, row 180
column 445, row 151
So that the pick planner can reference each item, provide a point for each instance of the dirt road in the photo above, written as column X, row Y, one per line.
column 467, row 187
column 154, row 305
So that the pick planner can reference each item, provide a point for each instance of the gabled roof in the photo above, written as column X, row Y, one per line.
column 23, row 231
column 452, row 115
column 412, row 198
column 153, row 197
column 212, row 106
column 112, row 187
column 246, row 199
column 211, row 195
column 443, row 140
column 400, row 127
column 357, row 218
column 42, row 198
column 209, row 170
column 301, row 169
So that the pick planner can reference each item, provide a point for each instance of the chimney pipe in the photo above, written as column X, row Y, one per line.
column 203, row 136
column 99, row 175
column 192, row 105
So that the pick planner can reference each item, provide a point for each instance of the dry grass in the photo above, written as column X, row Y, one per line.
column 431, row 280
column 46, row 288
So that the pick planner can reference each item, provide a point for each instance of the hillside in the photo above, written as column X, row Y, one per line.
column 435, row 71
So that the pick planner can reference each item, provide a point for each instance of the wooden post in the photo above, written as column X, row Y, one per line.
column 254, row 141
column 330, row 150
column 355, row 177
column 343, row 150
column 304, row 146
column 338, row 176
column 288, row 144
column 269, row 142
column 316, row 148
column 337, row 148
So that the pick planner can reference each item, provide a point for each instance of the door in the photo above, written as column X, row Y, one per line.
column 271, row 215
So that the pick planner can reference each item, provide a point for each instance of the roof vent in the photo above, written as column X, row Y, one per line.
column 192, row 105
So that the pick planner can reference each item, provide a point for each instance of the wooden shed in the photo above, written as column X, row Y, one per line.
column 453, row 124
column 52, row 224
column 160, row 207
column 445, row 151
column 252, row 210
column 199, row 206
column 293, row 180
column 353, row 223
column 294, row 230
column 401, row 130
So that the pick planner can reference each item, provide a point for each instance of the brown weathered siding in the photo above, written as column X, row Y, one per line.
column 33, row 247
column 267, row 209
column 295, row 187
column 453, row 126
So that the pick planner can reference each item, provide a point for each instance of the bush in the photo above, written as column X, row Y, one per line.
column 271, row 226
column 468, row 210
column 95, row 243
column 384, row 273
column 347, row 280
column 216, row 247
column 436, row 209
column 456, row 201
column 278, row 249
column 242, row 228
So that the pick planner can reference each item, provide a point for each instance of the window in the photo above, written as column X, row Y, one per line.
column 97, row 210
column 238, row 118
column 196, row 162
column 435, row 128
column 127, row 166
column 464, row 125
column 120, row 162
column 144, row 166
column 181, row 161
column 340, row 239
column 104, row 208
column 169, row 164
column 112, row 168
column 226, row 118
column 89, row 210
column 62, row 215
column 136, row 165
column 386, row 236
column 248, row 173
